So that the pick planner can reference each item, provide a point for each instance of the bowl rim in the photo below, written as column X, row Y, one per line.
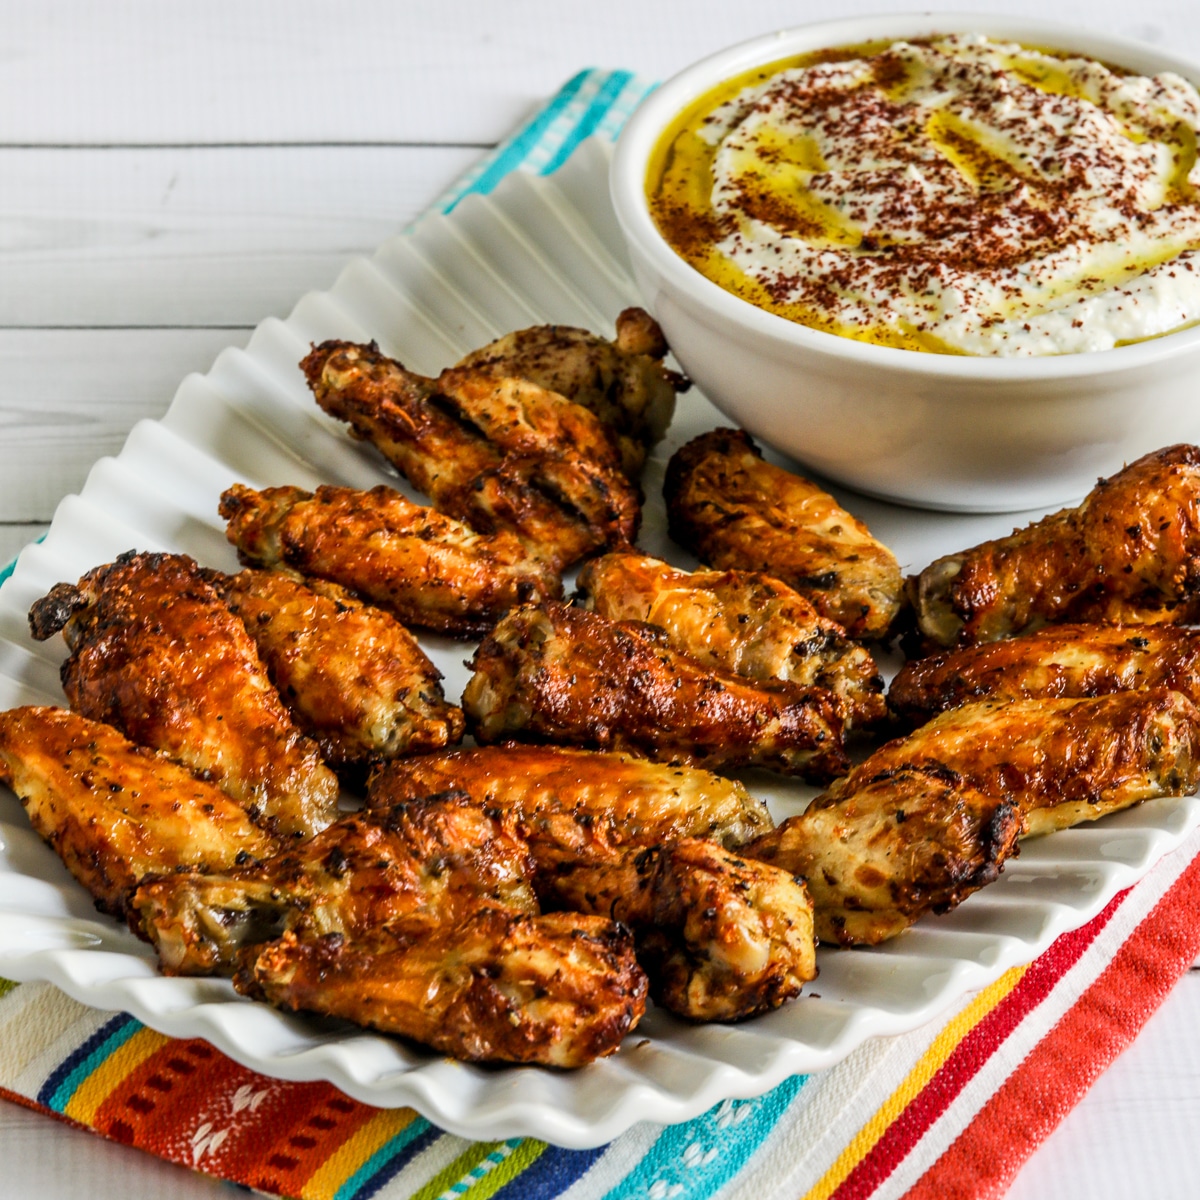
column 707, row 299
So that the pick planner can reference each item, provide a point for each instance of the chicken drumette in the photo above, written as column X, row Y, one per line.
column 418, row 921
column 156, row 652
column 742, row 621
column 426, row 569
column 497, row 453
column 623, row 381
column 1129, row 554
column 551, row 673
column 1059, row 661
column 734, row 510
column 115, row 812
column 352, row 676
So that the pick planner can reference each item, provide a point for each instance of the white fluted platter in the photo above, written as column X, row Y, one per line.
column 537, row 250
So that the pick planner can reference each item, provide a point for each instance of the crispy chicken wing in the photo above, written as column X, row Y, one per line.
column 1130, row 554
column 426, row 569
column 721, row 936
column 895, row 844
column 156, row 652
column 418, row 921
column 352, row 676
column 742, row 621
column 578, row 800
column 623, row 381
column 735, row 511
column 1061, row 761
column 561, row 989
column 497, row 453
column 115, row 812
column 1057, row 661
column 559, row 674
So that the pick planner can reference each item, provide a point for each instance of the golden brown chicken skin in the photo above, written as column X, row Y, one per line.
column 417, row 921
column 742, row 621
column 351, row 675
column 623, row 381
column 115, row 812
column 577, row 800
column 735, row 511
column 722, row 937
column 156, row 652
column 1058, row 661
column 1129, row 554
column 896, row 844
column 551, row 673
column 559, row 989
column 437, row 858
column 497, row 453
column 426, row 569
column 1061, row 761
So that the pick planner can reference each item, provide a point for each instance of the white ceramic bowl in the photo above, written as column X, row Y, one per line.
column 935, row 431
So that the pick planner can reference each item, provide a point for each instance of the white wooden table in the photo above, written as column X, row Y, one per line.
column 171, row 174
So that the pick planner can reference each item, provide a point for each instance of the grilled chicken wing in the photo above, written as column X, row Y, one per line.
column 1129, row 554
column 561, row 989
column 1057, row 661
column 416, row 921
column 115, row 812
column 553, row 673
column 895, row 844
column 623, row 381
column 157, row 653
column 499, row 454
column 352, row 676
column 580, row 800
column 1061, row 761
column 721, row 936
column 424, row 568
column 735, row 511
column 742, row 621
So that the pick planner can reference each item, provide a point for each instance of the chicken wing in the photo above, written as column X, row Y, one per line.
column 115, row 812
column 156, row 652
column 735, row 511
column 892, row 846
column 607, row 800
column 1061, row 761
column 553, row 673
column 426, row 569
column 352, row 676
column 418, row 921
column 499, row 454
column 1129, row 554
column 1057, row 661
column 623, row 381
column 560, row 989
column 742, row 621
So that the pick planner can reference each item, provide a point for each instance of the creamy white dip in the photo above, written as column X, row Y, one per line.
column 963, row 194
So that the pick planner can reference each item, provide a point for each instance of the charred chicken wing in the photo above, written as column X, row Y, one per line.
column 1129, row 554
column 352, row 676
column 892, row 846
column 559, row 674
column 497, row 453
column 742, row 621
column 156, row 652
column 1057, row 661
column 623, row 381
column 115, row 812
column 735, row 511
column 424, row 568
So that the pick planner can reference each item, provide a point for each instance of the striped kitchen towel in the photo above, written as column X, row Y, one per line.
column 948, row 1111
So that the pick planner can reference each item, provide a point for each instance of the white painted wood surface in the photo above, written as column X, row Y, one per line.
column 171, row 173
